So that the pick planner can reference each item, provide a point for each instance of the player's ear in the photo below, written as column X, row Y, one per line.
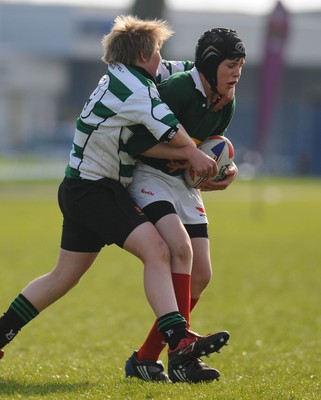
column 143, row 57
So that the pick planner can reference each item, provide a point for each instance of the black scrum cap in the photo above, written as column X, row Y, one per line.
column 215, row 46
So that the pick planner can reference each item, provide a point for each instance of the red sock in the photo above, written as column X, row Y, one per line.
column 182, row 287
column 154, row 345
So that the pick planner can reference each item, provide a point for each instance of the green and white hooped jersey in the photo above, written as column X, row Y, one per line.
column 168, row 68
column 124, row 100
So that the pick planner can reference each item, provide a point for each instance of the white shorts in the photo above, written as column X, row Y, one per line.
column 151, row 185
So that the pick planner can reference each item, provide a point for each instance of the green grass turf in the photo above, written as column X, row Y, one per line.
column 265, row 238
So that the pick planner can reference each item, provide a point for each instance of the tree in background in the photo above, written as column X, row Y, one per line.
column 148, row 9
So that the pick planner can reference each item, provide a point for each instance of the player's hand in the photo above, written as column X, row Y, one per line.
column 203, row 165
column 224, row 100
column 230, row 175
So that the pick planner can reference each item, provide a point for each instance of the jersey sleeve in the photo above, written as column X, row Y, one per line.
column 168, row 68
column 146, row 108
column 142, row 140
column 155, row 123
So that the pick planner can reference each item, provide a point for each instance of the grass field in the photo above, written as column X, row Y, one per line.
column 266, row 239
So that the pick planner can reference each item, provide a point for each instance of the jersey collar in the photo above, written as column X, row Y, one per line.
column 197, row 80
column 144, row 73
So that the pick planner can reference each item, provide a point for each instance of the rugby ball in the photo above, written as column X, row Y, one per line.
column 221, row 149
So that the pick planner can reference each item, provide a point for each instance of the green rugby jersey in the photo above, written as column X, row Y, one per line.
column 183, row 92
column 125, row 100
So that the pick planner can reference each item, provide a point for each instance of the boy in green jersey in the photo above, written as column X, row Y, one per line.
column 177, row 210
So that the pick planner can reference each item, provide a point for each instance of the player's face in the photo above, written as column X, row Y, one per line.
column 228, row 74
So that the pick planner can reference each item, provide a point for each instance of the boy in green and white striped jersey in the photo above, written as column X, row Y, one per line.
column 97, row 210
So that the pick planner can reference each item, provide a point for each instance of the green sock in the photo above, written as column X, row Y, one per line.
column 173, row 327
column 19, row 314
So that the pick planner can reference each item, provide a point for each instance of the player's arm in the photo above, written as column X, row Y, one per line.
column 169, row 152
column 182, row 147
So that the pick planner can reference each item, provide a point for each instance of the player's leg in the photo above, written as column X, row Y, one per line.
column 160, row 292
column 171, row 228
column 174, row 233
column 42, row 292
column 146, row 244
column 144, row 364
column 159, row 288
column 197, row 370
column 202, row 267
column 201, row 276
column 79, row 248
column 147, row 190
column 50, row 287
column 106, row 210
column 155, row 195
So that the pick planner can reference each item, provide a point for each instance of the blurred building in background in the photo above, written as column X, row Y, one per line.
column 50, row 63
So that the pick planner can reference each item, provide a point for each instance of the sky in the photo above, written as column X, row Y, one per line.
column 247, row 6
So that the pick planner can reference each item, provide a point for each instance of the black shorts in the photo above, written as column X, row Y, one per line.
column 96, row 213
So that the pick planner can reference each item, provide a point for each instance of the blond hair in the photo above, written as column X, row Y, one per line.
column 130, row 37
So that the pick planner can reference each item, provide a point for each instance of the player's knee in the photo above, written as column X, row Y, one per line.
column 200, row 281
column 206, row 277
column 158, row 250
column 63, row 279
column 182, row 253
